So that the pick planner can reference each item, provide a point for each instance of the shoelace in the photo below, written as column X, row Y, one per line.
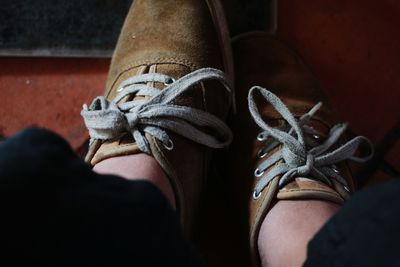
column 110, row 120
column 296, row 160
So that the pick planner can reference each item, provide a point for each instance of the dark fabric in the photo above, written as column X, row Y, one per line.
column 56, row 212
column 365, row 232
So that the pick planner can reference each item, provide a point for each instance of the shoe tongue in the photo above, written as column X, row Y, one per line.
column 298, row 107
column 143, row 70
column 173, row 70
column 157, row 69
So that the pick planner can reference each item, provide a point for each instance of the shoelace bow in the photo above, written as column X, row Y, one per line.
column 110, row 120
column 317, row 162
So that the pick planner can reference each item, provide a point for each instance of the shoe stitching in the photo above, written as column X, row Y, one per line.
column 136, row 64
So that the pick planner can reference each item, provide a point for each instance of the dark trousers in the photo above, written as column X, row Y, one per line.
column 56, row 212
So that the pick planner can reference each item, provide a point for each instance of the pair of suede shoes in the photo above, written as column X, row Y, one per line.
column 171, row 87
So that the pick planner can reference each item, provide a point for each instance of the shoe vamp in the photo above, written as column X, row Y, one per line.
column 166, row 32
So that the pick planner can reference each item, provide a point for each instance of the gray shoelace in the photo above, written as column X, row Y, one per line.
column 110, row 120
column 300, row 156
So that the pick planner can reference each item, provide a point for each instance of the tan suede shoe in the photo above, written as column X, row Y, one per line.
column 169, row 88
column 289, row 147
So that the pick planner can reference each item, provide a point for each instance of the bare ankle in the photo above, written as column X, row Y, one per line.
column 138, row 167
column 288, row 228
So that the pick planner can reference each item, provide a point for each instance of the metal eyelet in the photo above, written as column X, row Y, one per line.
column 257, row 173
column 169, row 145
column 335, row 169
column 261, row 137
column 256, row 195
column 169, row 81
column 261, row 154
column 346, row 188
column 316, row 136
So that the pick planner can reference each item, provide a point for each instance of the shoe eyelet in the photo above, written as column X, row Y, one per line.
column 261, row 137
column 261, row 154
column 169, row 145
column 257, row 173
column 316, row 136
column 346, row 188
column 256, row 195
column 169, row 81
column 335, row 169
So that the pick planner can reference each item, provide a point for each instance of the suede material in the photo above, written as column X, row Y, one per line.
column 268, row 63
column 168, row 31
column 172, row 37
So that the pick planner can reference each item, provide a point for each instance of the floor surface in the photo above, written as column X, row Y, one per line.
column 352, row 46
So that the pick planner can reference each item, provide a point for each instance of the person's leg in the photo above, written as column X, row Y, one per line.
column 57, row 211
column 138, row 167
column 287, row 229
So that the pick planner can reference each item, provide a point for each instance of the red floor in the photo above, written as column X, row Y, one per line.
column 49, row 93
column 352, row 46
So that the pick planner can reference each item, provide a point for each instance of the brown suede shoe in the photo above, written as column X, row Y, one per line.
column 289, row 147
column 167, row 93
